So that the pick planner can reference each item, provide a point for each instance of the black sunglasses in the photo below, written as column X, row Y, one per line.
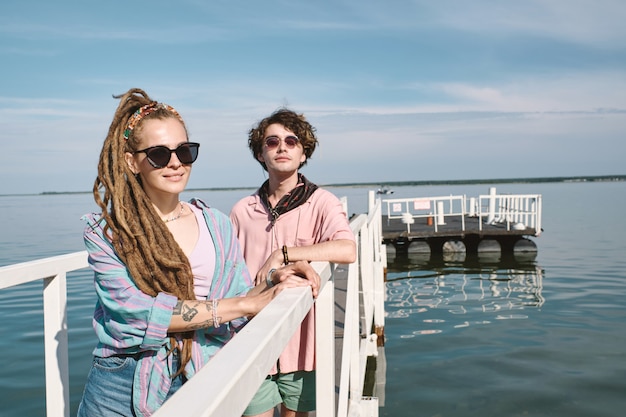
column 159, row 156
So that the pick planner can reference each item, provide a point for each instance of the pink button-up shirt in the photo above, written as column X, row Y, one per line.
column 321, row 218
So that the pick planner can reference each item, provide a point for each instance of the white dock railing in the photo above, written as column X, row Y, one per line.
column 53, row 272
column 511, row 209
column 493, row 208
column 225, row 385
column 436, row 209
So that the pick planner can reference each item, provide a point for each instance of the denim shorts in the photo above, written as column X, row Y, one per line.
column 296, row 390
column 109, row 388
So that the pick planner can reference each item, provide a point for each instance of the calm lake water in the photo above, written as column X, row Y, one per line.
column 489, row 336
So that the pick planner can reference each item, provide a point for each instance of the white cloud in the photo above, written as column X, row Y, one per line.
column 583, row 21
column 408, row 90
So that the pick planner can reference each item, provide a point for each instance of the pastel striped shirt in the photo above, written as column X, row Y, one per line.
column 128, row 321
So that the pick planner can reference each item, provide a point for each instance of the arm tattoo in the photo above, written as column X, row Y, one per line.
column 178, row 307
column 202, row 325
column 189, row 312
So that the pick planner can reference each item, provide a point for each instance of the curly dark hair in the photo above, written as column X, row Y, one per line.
column 292, row 121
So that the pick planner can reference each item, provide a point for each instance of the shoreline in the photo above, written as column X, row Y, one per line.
column 529, row 180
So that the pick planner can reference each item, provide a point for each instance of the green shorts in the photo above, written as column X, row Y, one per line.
column 296, row 390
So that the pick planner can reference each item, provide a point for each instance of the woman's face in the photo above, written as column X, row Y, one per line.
column 172, row 178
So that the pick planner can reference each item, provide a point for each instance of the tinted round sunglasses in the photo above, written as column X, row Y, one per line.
column 159, row 156
column 272, row 142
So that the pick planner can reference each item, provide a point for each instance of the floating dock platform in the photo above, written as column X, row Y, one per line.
column 487, row 223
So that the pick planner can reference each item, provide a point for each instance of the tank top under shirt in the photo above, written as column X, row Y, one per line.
column 202, row 258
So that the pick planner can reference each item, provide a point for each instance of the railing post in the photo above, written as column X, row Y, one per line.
column 367, row 279
column 350, row 336
column 56, row 346
column 371, row 201
column 492, row 205
column 325, row 349
column 380, row 262
column 538, row 209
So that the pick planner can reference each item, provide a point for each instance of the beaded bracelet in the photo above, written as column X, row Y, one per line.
column 216, row 319
column 285, row 256
column 268, row 279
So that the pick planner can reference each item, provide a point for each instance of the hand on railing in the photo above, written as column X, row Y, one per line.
column 293, row 274
column 296, row 274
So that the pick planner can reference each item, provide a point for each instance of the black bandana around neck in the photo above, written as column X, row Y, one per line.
column 289, row 201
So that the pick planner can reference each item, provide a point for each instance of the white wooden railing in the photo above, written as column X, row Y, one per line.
column 52, row 271
column 226, row 384
column 509, row 209
column 435, row 208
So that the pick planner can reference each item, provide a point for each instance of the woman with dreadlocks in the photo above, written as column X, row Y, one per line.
column 172, row 286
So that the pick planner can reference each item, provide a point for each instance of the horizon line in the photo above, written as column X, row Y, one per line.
column 619, row 177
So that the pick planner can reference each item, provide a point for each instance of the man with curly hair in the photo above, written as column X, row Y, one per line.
column 289, row 219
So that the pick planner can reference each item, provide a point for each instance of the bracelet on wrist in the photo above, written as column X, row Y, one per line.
column 216, row 318
column 268, row 279
column 285, row 255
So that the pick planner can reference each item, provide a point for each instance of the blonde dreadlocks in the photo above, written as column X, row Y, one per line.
column 141, row 239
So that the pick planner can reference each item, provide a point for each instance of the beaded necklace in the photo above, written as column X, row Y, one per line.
column 180, row 213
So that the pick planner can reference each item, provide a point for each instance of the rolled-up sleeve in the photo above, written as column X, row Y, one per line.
column 335, row 224
column 126, row 319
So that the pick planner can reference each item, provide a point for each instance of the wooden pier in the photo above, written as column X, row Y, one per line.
column 349, row 308
column 488, row 223
column 350, row 316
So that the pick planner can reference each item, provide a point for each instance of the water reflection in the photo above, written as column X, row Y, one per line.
column 453, row 291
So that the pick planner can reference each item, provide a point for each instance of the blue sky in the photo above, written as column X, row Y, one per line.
column 398, row 90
